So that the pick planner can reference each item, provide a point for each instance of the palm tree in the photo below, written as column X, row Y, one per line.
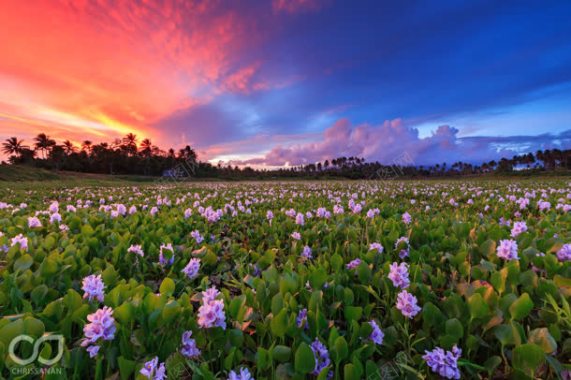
column 130, row 143
column 146, row 147
column 13, row 146
column 86, row 146
column 68, row 147
column 44, row 143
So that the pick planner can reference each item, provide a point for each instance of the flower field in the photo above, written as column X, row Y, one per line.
column 299, row 280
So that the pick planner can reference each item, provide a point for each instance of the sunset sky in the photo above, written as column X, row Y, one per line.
column 289, row 82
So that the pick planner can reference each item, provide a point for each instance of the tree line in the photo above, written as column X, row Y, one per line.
column 129, row 156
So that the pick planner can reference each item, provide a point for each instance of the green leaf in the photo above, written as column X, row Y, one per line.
column 353, row 313
column 341, row 349
column 304, row 359
column 167, row 286
column 521, row 307
column 543, row 339
column 528, row 357
column 279, row 324
column 23, row 263
column 478, row 307
column 454, row 328
column 281, row 353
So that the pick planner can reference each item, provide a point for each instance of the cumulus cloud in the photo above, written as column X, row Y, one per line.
column 393, row 138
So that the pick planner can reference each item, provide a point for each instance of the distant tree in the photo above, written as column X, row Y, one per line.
column 44, row 143
column 13, row 146
column 68, row 147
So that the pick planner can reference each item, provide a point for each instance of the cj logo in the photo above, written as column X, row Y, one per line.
column 37, row 344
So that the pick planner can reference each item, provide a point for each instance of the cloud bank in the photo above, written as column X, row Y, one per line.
column 393, row 138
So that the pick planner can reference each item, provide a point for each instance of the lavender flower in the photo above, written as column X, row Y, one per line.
column 407, row 304
column 164, row 261
column 244, row 374
column 377, row 334
column 197, row 237
column 34, row 222
column 93, row 287
column 518, row 228
column 403, row 244
column 189, row 349
column 564, row 254
column 191, row 269
column 321, row 356
column 21, row 240
column 306, row 254
column 153, row 370
column 299, row 219
column 136, row 249
column 376, row 246
column 296, row 235
column 399, row 275
column 507, row 250
column 101, row 327
column 406, row 218
column 444, row 363
column 301, row 320
column 353, row 264
column 211, row 312
column 269, row 216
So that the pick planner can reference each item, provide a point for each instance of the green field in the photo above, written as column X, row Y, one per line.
column 342, row 280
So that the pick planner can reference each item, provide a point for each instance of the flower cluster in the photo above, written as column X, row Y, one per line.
column 407, row 304
column 101, row 327
column 306, row 254
column 444, row 363
column 321, row 356
column 191, row 269
column 403, row 246
column 168, row 259
column 564, row 253
column 153, row 370
column 377, row 335
column 136, row 249
column 211, row 312
column 189, row 349
column 353, row 264
column 242, row 374
column 399, row 275
column 301, row 320
column 93, row 287
column 507, row 250
column 518, row 228
column 376, row 246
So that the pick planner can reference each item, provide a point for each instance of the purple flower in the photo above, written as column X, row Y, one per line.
column 101, row 327
column 301, row 320
column 191, row 269
column 564, row 254
column 406, row 218
column 407, row 304
column 299, row 219
column 353, row 264
column 269, row 216
column 306, row 253
column 152, row 370
column 376, row 246
column 403, row 245
column 507, row 250
column 211, row 312
column 93, row 287
column 189, row 349
column 34, row 222
column 296, row 235
column 93, row 351
column 444, row 363
column 377, row 335
column 321, row 356
column 518, row 228
column 244, row 374
column 20, row 239
column 136, row 249
column 197, row 237
column 399, row 275
column 165, row 261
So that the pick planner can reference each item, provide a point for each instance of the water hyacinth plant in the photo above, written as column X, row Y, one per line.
column 337, row 280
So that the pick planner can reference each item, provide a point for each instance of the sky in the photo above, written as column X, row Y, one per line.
column 278, row 82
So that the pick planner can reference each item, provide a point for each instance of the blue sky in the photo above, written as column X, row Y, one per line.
column 290, row 82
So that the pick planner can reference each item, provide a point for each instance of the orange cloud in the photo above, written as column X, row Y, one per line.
column 106, row 68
